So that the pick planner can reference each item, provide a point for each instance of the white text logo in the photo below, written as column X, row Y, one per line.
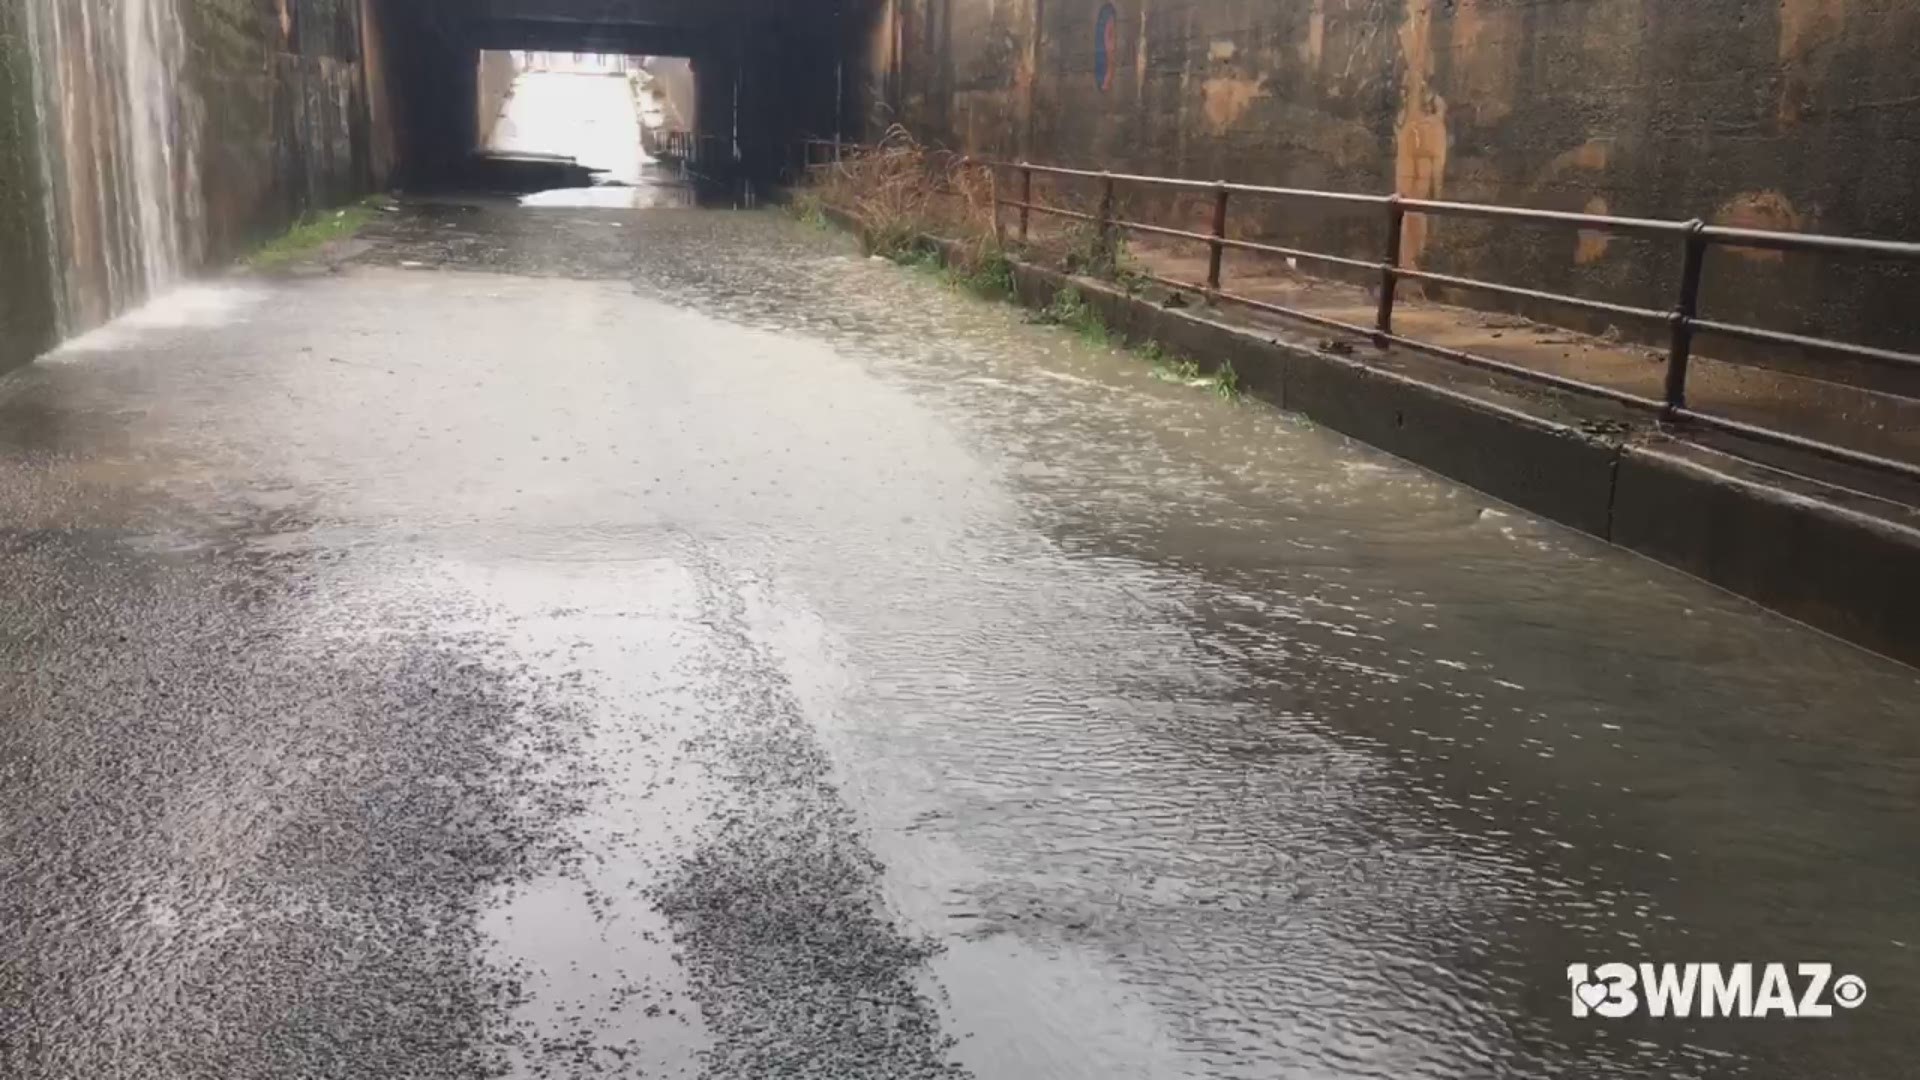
column 1743, row 991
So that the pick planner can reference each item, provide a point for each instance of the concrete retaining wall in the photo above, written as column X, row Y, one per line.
column 1795, row 114
column 26, row 289
column 275, row 122
column 285, row 127
column 497, row 71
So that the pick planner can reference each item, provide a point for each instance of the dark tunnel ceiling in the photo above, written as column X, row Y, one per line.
column 656, row 27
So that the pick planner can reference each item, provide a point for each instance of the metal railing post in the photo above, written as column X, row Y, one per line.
column 1107, row 247
column 1217, row 250
column 993, row 196
column 1026, row 198
column 1681, row 349
column 1389, row 270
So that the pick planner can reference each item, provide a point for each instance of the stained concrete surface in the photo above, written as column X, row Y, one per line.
column 1783, row 115
column 27, row 313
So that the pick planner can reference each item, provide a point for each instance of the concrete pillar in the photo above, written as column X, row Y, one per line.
column 431, row 75
column 716, row 92
column 789, row 85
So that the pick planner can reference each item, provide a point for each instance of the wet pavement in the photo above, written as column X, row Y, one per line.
column 577, row 642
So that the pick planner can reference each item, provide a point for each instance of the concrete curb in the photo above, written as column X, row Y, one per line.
column 1836, row 560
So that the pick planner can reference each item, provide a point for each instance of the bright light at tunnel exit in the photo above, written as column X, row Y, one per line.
column 603, row 110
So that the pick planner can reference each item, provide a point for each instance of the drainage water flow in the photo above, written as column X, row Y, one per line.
column 121, row 140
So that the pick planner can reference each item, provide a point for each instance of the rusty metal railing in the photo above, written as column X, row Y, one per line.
column 693, row 150
column 823, row 153
column 1684, row 322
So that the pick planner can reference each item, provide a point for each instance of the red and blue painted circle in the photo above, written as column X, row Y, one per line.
column 1106, row 45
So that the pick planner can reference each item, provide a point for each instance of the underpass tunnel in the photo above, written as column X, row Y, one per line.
column 754, row 77
column 583, row 129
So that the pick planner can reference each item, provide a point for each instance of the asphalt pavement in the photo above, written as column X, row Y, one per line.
column 553, row 642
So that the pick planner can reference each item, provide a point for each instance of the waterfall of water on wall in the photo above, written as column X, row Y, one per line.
column 121, row 130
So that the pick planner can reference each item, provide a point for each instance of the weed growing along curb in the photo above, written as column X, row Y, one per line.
column 1089, row 254
column 899, row 194
column 990, row 276
column 811, row 209
column 1071, row 310
column 313, row 232
column 1224, row 382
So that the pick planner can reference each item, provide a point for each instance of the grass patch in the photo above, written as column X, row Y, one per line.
column 1224, row 382
column 811, row 208
column 1071, row 310
column 990, row 276
column 923, row 258
column 314, row 231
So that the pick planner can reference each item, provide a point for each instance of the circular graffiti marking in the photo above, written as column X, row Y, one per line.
column 1106, row 45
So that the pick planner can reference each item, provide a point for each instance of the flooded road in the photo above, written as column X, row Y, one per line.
column 664, row 643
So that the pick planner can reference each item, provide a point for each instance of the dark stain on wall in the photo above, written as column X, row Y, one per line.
column 27, row 317
column 286, row 127
column 1799, row 114
column 276, row 97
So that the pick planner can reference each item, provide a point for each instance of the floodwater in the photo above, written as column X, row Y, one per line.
column 570, row 642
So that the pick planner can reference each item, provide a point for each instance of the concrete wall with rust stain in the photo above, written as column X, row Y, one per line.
column 286, row 127
column 27, row 312
column 277, row 106
column 380, row 135
column 497, row 71
column 1796, row 114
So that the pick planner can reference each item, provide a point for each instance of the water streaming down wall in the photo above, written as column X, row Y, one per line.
column 120, row 128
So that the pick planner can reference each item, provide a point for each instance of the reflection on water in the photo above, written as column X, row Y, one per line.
column 656, row 194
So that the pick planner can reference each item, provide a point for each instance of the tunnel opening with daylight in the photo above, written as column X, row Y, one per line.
column 584, row 129
column 735, row 83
